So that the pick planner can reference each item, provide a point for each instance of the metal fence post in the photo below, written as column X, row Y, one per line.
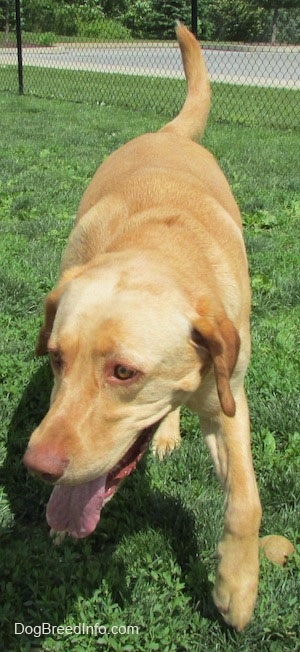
column 194, row 21
column 19, row 46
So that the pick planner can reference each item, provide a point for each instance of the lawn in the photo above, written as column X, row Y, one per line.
column 148, row 569
column 243, row 105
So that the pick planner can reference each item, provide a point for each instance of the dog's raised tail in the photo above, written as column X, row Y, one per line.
column 191, row 120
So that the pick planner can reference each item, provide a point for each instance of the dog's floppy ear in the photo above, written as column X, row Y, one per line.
column 221, row 339
column 51, row 304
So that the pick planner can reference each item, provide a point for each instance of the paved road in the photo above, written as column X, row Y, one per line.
column 278, row 67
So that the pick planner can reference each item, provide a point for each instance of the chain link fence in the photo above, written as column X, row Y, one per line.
column 252, row 84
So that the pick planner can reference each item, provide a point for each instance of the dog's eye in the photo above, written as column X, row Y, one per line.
column 123, row 373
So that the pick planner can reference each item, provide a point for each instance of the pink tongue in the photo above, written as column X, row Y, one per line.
column 76, row 509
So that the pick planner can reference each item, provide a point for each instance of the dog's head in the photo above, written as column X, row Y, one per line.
column 125, row 349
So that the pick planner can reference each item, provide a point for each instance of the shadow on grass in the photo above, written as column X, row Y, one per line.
column 42, row 583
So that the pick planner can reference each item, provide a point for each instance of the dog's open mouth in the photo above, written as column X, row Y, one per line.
column 76, row 509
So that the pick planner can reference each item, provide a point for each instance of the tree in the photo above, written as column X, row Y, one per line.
column 137, row 16
column 234, row 20
column 165, row 12
column 114, row 9
column 152, row 18
column 7, row 16
column 289, row 26
column 274, row 6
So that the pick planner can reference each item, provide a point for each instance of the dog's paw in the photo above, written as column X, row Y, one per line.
column 167, row 436
column 276, row 548
column 236, row 585
column 163, row 445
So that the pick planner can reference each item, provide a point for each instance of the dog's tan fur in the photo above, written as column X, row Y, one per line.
column 155, row 278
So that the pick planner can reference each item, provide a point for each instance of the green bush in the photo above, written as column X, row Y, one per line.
column 46, row 39
column 59, row 17
column 84, row 18
column 137, row 17
column 103, row 29
column 64, row 20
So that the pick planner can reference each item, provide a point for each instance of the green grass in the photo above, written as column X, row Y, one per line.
column 151, row 562
column 243, row 105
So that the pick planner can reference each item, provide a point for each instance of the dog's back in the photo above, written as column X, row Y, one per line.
column 162, row 155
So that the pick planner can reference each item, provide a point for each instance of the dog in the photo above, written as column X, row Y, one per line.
column 151, row 312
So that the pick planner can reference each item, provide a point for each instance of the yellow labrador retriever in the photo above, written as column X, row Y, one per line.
column 151, row 312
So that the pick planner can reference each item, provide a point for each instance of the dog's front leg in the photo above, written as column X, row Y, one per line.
column 228, row 439
column 167, row 436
